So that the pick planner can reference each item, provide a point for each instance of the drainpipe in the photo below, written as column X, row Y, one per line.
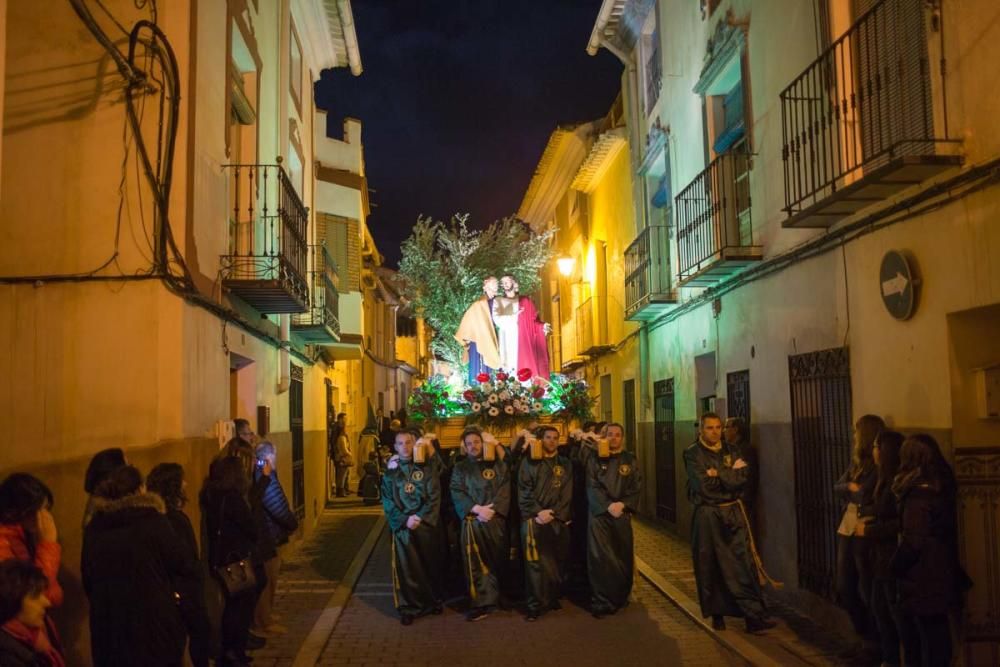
column 284, row 363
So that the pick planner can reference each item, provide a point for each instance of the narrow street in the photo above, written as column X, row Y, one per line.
column 335, row 595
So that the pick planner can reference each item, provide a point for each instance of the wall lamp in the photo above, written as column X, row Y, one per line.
column 566, row 265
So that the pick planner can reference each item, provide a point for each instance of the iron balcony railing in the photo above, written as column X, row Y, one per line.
column 713, row 214
column 654, row 77
column 647, row 268
column 267, row 238
column 865, row 101
column 321, row 322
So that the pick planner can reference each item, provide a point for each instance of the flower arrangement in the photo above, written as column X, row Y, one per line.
column 503, row 400
column 569, row 399
column 433, row 401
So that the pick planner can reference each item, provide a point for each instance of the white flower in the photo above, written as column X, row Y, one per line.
column 476, row 407
column 504, row 395
column 517, row 404
column 509, row 409
column 494, row 412
column 487, row 386
column 537, row 406
column 493, row 398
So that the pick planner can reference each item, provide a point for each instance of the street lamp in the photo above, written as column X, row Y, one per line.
column 566, row 265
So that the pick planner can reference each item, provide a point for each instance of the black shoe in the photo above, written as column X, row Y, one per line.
column 254, row 642
column 718, row 623
column 437, row 610
column 406, row 619
column 755, row 625
column 532, row 616
column 598, row 613
column 555, row 606
column 477, row 614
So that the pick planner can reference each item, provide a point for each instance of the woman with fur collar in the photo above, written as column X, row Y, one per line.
column 130, row 562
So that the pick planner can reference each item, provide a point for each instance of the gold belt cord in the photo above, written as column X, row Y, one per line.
column 531, row 546
column 470, row 548
column 762, row 576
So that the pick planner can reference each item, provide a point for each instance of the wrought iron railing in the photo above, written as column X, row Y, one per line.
column 863, row 102
column 647, row 267
column 654, row 75
column 713, row 213
column 267, row 230
column 324, row 310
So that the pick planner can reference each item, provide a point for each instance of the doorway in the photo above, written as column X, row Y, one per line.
column 665, row 451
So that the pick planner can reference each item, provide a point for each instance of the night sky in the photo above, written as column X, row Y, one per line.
column 457, row 101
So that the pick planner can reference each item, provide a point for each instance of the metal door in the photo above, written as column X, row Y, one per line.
column 298, row 442
column 666, row 466
column 628, row 401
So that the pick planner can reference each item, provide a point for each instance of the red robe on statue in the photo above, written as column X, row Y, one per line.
column 532, row 350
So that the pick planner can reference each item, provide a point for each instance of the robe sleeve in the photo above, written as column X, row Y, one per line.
column 501, row 501
column 732, row 479
column 526, row 491
column 700, row 483
column 634, row 492
column 393, row 515
column 597, row 496
column 564, row 510
column 432, row 506
column 460, row 494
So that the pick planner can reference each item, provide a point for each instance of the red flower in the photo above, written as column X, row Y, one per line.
column 483, row 377
column 501, row 376
column 538, row 393
column 524, row 374
column 469, row 395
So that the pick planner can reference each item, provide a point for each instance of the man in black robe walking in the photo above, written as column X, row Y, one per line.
column 480, row 490
column 614, row 485
column 411, row 498
column 545, row 489
column 727, row 568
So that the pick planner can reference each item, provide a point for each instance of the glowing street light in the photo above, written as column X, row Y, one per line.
column 566, row 265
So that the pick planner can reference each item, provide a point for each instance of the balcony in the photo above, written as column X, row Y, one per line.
column 858, row 124
column 319, row 325
column 266, row 264
column 714, row 230
column 647, row 275
column 592, row 327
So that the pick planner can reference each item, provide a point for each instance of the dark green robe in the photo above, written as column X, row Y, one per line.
column 407, row 489
column 484, row 545
column 723, row 565
column 545, row 484
column 610, row 553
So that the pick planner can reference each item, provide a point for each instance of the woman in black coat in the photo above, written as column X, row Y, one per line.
column 232, row 535
column 167, row 481
column 130, row 562
column 925, row 562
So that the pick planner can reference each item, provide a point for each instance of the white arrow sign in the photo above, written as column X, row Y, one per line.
column 895, row 285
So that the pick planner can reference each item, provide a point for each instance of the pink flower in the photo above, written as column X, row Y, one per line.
column 469, row 395
column 524, row 374
column 483, row 377
column 538, row 392
column 501, row 376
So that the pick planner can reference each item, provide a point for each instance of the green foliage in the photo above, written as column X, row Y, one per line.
column 444, row 265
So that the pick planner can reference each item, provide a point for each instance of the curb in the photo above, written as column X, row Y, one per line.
column 312, row 648
column 691, row 609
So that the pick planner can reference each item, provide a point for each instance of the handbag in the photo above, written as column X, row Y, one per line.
column 236, row 576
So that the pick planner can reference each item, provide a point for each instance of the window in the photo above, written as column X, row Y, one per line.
column 652, row 69
column 295, row 68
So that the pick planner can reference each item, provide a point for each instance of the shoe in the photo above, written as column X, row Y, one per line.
column 598, row 613
column 477, row 614
column 276, row 629
column 718, row 623
column 755, row 625
column 406, row 619
column 532, row 616
column 255, row 642
column 555, row 606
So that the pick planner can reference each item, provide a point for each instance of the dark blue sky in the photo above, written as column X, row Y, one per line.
column 458, row 98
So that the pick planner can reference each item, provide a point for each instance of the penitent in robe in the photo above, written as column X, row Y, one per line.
column 411, row 488
column 484, row 545
column 541, row 485
column 610, row 546
column 532, row 350
column 723, row 564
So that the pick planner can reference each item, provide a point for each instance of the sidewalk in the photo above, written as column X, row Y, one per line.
column 798, row 640
column 310, row 573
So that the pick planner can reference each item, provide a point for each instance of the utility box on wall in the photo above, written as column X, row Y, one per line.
column 988, row 392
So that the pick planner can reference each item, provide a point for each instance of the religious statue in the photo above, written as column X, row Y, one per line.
column 478, row 333
column 521, row 332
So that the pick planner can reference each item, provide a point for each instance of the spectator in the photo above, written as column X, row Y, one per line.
column 27, row 636
column 856, row 488
column 232, row 534
column 101, row 465
column 343, row 458
column 925, row 562
column 881, row 532
column 167, row 481
column 737, row 435
column 279, row 522
column 130, row 564
column 27, row 529
column 387, row 438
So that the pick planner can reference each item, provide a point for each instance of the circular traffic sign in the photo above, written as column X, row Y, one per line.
column 897, row 285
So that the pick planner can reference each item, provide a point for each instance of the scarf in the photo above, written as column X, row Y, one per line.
column 35, row 638
column 712, row 448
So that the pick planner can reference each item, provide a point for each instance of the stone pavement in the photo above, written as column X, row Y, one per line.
column 651, row 631
column 797, row 640
column 310, row 573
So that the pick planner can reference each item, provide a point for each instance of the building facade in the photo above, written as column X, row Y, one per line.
column 813, row 185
